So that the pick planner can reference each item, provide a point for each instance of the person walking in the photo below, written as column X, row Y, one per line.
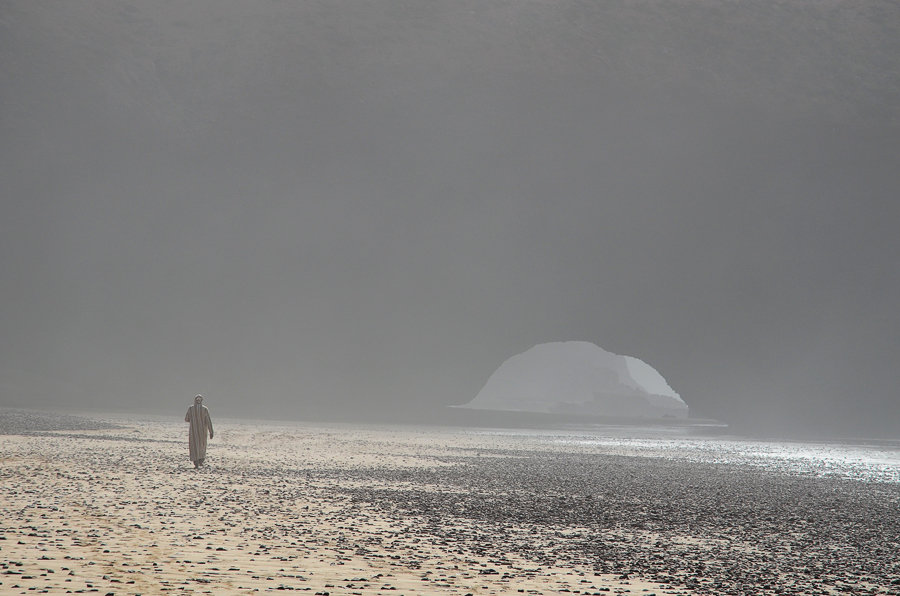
column 198, row 417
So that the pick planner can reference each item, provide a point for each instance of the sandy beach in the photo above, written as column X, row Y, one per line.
column 112, row 505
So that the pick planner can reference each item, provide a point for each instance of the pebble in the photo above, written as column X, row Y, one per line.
column 424, row 515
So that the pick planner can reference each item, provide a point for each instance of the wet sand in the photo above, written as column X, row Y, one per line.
column 117, row 508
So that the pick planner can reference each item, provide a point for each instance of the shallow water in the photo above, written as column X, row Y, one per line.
column 877, row 462
column 867, row 463
column 859, row 461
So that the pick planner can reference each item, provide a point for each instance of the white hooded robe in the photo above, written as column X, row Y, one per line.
column 201, row 423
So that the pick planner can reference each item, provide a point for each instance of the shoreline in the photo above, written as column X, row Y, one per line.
column 474, row 419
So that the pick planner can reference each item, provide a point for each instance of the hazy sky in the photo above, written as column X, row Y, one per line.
column 287, row 204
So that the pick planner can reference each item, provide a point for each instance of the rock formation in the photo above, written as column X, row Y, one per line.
column 577, row 377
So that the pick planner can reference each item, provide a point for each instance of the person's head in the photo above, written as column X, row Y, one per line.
column 198, row 400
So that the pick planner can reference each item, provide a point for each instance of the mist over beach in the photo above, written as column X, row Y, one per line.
column 364, row 209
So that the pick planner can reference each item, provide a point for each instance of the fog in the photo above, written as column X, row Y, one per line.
column 355, row 207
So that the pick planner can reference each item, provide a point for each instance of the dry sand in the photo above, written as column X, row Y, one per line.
column 336, row 509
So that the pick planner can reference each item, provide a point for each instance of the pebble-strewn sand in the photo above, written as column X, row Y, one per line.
column 331, row 509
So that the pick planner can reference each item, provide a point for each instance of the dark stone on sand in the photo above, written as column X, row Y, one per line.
column 753, row 527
